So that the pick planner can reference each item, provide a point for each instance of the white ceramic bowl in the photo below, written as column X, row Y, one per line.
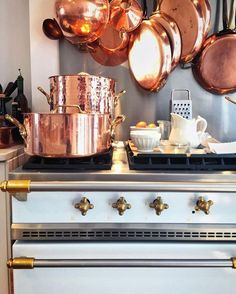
column 134, row 128
column 145, row 141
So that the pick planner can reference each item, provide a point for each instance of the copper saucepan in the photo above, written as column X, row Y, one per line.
column 66, row 135
column 93, row 94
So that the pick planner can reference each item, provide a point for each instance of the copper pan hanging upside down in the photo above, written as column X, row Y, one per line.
column 150, row 55
column 66, row 135
column 214, row 68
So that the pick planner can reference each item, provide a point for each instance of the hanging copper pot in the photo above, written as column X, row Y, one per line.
column 214, row 68
column 82, row 21
column 125, row 15
column 150, row 55
column 206, row 10
column 173, row 33
column 188, row 15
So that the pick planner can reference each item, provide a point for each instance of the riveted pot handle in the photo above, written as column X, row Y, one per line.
column 21, row 127
column 117, row 121
column 49, row 98
column 55, row 110
column 118, row 96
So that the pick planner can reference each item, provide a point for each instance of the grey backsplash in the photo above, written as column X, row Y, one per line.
column 138, row 104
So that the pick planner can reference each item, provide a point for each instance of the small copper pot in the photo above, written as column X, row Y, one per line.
column 66, row 134
column 7, row 137
column 93, row 94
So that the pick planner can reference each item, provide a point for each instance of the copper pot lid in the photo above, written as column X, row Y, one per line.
column 151, row 42
column 188, row 15
column 173, row 33
column 125, row 14
column 206, row 10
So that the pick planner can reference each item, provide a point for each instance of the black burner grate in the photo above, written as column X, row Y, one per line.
column 101, row 161
column 197, row 162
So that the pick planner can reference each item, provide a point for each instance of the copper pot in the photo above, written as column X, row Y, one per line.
column 66, row 134
column 82, row 21
column 93, row 94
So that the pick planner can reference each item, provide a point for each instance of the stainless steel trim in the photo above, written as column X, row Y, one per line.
column 124, row 232
column 121, row 186
column 176, row 263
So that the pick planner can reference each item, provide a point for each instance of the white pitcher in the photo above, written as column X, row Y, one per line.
column 186, row 131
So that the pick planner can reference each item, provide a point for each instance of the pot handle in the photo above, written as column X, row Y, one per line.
column 21, row 127
column 232, row 100
column 118, row 96
column 65, row 106
column 49, row 99
column 117, row 121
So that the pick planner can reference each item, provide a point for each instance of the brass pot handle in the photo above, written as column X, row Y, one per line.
column 65, row 106
column 117, row 121
column 49, row 98
column 118, row 96
column 21, row 127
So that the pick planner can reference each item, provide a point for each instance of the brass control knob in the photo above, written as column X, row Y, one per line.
column 121, row 205
column 158, row 205
column 84, row 205
column 203, row 205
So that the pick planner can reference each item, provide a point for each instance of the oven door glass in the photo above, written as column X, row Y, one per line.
column 126, row 280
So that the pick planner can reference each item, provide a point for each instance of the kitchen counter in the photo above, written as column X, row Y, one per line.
column 11, row 152
column 120, row 172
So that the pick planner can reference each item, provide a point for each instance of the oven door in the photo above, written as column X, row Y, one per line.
column 125, row 267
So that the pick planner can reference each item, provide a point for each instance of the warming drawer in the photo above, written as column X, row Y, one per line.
column 136, row 268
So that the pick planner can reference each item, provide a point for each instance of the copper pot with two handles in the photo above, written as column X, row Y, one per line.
column 66, row 135
column 93, row 94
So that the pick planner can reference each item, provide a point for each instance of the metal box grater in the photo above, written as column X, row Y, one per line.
column 181, row 103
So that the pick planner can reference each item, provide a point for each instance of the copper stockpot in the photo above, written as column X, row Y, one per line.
column 66, row 135
column 93, row 94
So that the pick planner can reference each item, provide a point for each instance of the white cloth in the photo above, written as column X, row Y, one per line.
column 222, row 148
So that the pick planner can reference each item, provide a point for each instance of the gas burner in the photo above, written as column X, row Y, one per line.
column 101, row 161
column 195, row 162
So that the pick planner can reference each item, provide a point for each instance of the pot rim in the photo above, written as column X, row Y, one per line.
column 83, row 75
column 63, row 114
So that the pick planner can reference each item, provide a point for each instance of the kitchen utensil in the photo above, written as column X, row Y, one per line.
column 125, row 15
column 150, row 40
column 182, row 105
column 206, row 11
column 10, row 88
column 188, row 15
column 173, row 33
column 232, row 100
column 186, row 131
column 164, row 126
column 214, row 68
column 1, row 89
column 51, row 29
column 6, row 137
column 66, row 134
column 82, row 21
column 94, row 94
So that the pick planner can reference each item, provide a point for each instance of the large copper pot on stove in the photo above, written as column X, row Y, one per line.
column 66, row 134
column 93, row 94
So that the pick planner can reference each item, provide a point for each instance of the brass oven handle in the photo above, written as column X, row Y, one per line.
column 158, row 205
column 121, row 205
column 15, row 186
column 203, row 205
column 30, row 263
column 84, row 205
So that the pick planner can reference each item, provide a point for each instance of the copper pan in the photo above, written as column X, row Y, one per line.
column 206, row 10
column 214, row 68
column 125, row 15
column 188, row 15
column 93, row 94
column 66, row 135
column 150, row 55
column 173, row 33
column 82, row 21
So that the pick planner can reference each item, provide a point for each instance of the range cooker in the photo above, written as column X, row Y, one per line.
column 135, row 231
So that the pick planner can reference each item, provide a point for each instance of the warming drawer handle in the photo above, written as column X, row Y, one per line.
column 30, row 263
column 19, row 186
